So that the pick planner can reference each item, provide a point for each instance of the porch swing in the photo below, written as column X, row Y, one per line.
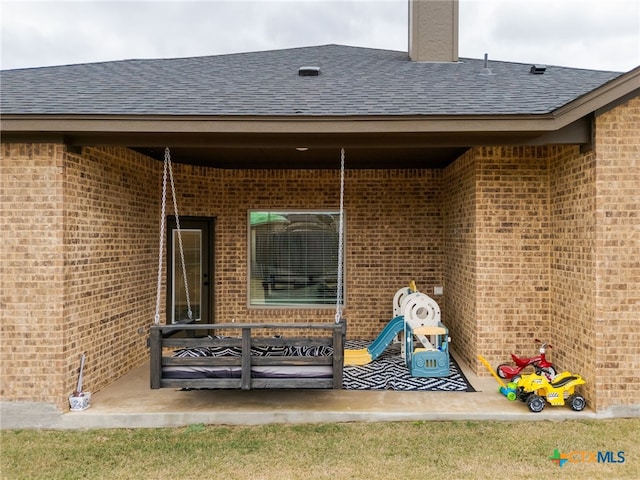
column 241, row 355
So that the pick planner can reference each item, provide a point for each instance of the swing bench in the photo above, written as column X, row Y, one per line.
column 247, row 359
column 242, row 355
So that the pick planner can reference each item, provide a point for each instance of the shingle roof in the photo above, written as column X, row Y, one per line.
column 352, row 81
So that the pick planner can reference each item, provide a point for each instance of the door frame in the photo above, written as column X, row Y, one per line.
column 207, row 225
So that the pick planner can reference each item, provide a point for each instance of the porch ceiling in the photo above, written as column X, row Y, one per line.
column 313, row 158
column 376, row 149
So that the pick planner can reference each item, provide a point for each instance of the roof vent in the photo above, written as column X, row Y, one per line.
column 309, row 71
column 538, row 69
column 486, row 70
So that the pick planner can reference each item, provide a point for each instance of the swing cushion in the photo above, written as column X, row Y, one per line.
column 264, row 351
column 270, row 371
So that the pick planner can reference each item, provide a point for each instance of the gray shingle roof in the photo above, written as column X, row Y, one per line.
column 352, row 81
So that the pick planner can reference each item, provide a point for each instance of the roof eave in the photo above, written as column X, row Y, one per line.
column 171, row 124
column 601, row 98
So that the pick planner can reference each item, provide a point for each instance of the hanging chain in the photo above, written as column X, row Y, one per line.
column 156, row 320
column 169, row 170
column 340, row 241
column 175, row 210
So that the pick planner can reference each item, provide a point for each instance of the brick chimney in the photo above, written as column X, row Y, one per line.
column 433, row 30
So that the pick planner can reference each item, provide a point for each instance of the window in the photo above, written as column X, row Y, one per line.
column 192, row 250
column 293, row 258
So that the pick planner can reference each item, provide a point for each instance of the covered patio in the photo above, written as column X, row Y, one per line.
column 129, row 403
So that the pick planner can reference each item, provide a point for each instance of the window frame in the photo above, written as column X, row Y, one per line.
column 177, row 279
column 251, row 261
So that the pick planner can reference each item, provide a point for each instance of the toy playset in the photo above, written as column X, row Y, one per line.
column 417, row 326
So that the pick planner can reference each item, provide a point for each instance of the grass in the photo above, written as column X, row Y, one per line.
column 407, row 450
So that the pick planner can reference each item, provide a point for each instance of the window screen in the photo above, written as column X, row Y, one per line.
column 293, row 258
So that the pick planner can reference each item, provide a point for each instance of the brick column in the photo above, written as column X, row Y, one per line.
column 32, row 293
column 617, row 263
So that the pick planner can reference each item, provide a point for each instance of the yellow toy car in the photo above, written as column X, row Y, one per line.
column 534, row 389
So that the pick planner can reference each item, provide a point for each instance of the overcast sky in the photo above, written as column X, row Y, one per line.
column 597, row 34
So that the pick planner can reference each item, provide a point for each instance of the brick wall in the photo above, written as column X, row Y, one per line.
column 461, row 274
column 572, row 282
column 513, row 248
column 497, row 252
column 79, row 253
column 595, row 274
column 111, row 257
column 617, row 258
column 32, row 363
column 393, row 227
column 552, row 253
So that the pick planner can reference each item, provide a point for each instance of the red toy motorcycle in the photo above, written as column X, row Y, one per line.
column 539, row 363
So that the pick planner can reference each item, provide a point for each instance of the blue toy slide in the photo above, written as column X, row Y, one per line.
column 366, row 355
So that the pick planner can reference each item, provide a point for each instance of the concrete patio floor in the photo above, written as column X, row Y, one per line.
column 130, row 403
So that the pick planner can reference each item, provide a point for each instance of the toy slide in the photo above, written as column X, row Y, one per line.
column 366, row 355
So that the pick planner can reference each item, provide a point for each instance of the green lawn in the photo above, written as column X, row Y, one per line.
column 368, row 451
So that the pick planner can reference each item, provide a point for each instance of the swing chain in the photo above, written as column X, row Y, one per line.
column 178, row 230
column 156, row 320
column 340, row 241
column 168, row 169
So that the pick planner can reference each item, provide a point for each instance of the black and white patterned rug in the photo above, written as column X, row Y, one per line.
column 389, row 372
